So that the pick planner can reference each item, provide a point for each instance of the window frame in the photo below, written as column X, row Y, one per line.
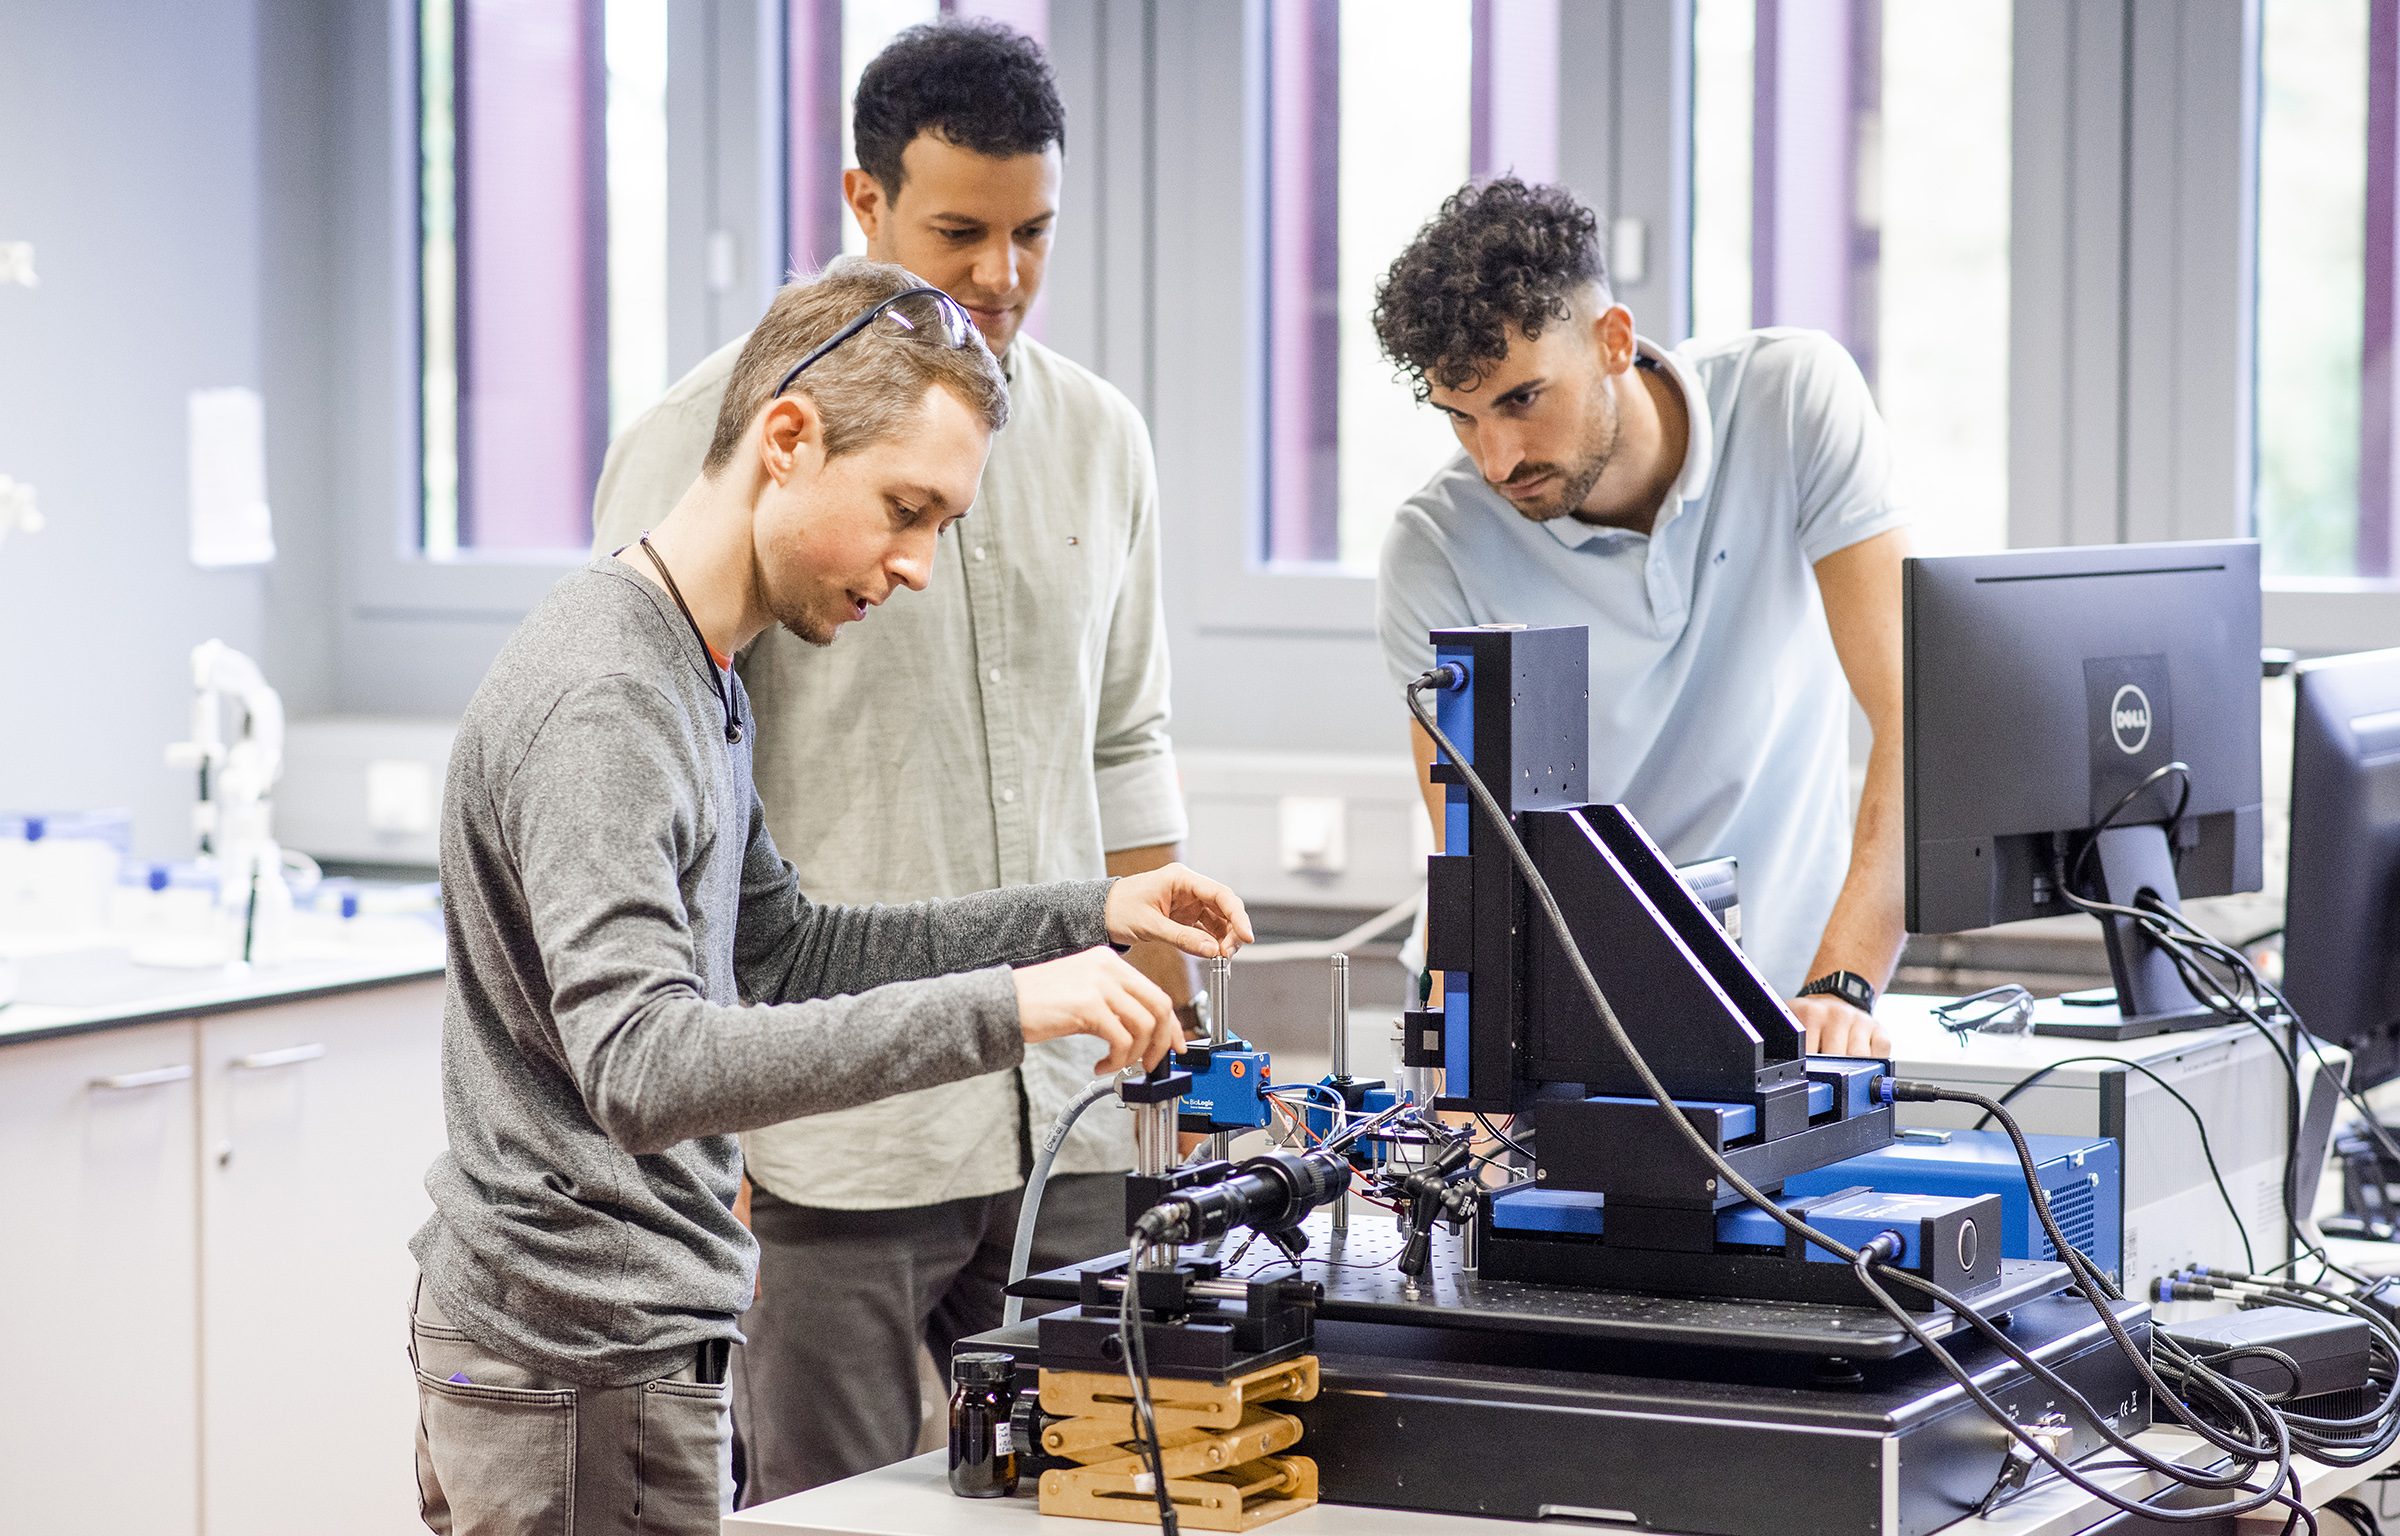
column 390, row 577
column 1631, row 160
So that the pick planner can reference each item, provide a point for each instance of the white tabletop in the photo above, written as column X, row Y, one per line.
column 913, row 1498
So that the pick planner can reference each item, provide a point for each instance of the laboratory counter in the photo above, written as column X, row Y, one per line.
column 74, row 986
column 214, row 1173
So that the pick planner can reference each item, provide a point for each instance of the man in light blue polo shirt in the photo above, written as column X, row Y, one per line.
column 1721, row 518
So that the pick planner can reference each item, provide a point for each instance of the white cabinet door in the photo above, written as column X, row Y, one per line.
column 317, row 1120
column 97, row 1289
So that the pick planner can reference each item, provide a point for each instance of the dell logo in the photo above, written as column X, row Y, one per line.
column 2129, row 719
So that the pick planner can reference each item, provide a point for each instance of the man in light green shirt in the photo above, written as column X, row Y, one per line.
column 1017, row 714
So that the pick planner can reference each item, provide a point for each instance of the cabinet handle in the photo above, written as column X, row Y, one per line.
column 290, row 1055
column 149, row 1079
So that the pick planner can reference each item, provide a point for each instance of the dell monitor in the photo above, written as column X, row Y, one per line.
column 2341, row 924
column 2050, row 695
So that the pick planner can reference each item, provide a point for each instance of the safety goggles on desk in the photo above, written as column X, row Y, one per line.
column 2003, row 1010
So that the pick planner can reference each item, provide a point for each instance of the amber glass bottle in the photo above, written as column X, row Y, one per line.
column 983, row 1462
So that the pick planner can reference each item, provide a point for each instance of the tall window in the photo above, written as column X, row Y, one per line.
column 542, row 259
column 1942, row 209
column 1377, row 110
column 1851, row 174
column 1724, row 80
column 2314, row 309
column 829, row 45
column 867, row 25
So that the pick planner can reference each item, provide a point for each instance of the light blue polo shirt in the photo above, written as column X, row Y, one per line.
column 1720, row 712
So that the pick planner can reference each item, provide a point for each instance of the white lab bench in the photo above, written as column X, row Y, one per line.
column 211, row 1179
column 913, row 1498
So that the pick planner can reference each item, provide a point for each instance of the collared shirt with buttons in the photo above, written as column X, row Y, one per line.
column 1719, row 711
column 1005, row 726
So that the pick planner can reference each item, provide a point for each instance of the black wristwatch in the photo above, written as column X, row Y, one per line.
column 1849, row 986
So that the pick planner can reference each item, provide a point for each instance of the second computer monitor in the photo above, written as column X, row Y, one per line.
column 2341, row 946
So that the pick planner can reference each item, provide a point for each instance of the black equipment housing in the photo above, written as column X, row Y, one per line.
column 1519, row 1035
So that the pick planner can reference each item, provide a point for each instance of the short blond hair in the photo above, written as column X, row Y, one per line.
column 871, row 386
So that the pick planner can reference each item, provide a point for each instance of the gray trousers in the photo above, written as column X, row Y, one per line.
column 507, row 1451
column 827, row 1385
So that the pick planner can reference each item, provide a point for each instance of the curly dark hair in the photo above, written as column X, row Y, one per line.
column 974, row 83
column 1496, row 255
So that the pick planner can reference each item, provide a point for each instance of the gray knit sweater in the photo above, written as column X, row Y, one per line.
column 634, row 977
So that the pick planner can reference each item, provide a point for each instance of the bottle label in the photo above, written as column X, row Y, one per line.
column 1000, row 1441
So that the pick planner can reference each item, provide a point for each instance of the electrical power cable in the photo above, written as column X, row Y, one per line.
column 1449, row 676
column 1020, row 1257
column 1137, row 1374
column 2198, row 1123
column 2189, row 948
column 1497, row 1135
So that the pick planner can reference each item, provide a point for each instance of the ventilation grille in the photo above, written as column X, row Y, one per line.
column 2073, row 1206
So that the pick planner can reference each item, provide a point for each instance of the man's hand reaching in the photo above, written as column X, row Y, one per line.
column 1174, row 905
column 1837, row 1029
column 1096, row 993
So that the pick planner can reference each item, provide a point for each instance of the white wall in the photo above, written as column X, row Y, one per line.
column 129, row 156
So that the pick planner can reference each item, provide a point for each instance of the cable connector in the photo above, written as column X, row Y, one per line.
column 1449, row 677
column 1899, row 1090
column 1885, row 1247
column 2165, row 1288
column 2052, row 1433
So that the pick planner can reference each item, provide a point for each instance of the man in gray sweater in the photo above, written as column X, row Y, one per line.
column 635, row 975
column 1026, row 697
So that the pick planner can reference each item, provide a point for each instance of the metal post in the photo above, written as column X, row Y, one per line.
column 1341, row 1015
column 1341, row 1064
column 1220, row 1028
column 1153, row 1158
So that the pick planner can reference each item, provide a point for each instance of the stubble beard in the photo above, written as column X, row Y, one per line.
column 801, row 626
column 1575, row 485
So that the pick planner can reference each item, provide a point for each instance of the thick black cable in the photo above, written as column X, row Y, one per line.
column 2160, row 923
column 2207, row 1152
column 1137, row 1372
column 1618, row 1037
column 2095, row 1286
column 1501, row 1137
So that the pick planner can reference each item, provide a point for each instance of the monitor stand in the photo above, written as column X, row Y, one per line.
column 2151, row 996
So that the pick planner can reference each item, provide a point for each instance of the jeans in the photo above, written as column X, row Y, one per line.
column 503, row 1450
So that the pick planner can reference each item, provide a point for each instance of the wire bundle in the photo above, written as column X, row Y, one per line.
column 2224, row 981
column 2263, row 1440
column 2341, row 1442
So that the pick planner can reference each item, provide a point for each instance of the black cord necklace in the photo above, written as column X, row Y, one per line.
column 733, row 722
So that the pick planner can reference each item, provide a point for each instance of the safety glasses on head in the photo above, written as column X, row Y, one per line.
column 956, row 325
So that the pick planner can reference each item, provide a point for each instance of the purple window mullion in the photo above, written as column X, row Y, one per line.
column 1303, row 411
column 813, row 150
column 1818, row 66
column 532, row 242
column 2378, row 391
column 1325, row 280
column 1480, row 89
column 1513, row 127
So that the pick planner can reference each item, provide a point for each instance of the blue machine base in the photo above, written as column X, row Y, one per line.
column 2083, row 1176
